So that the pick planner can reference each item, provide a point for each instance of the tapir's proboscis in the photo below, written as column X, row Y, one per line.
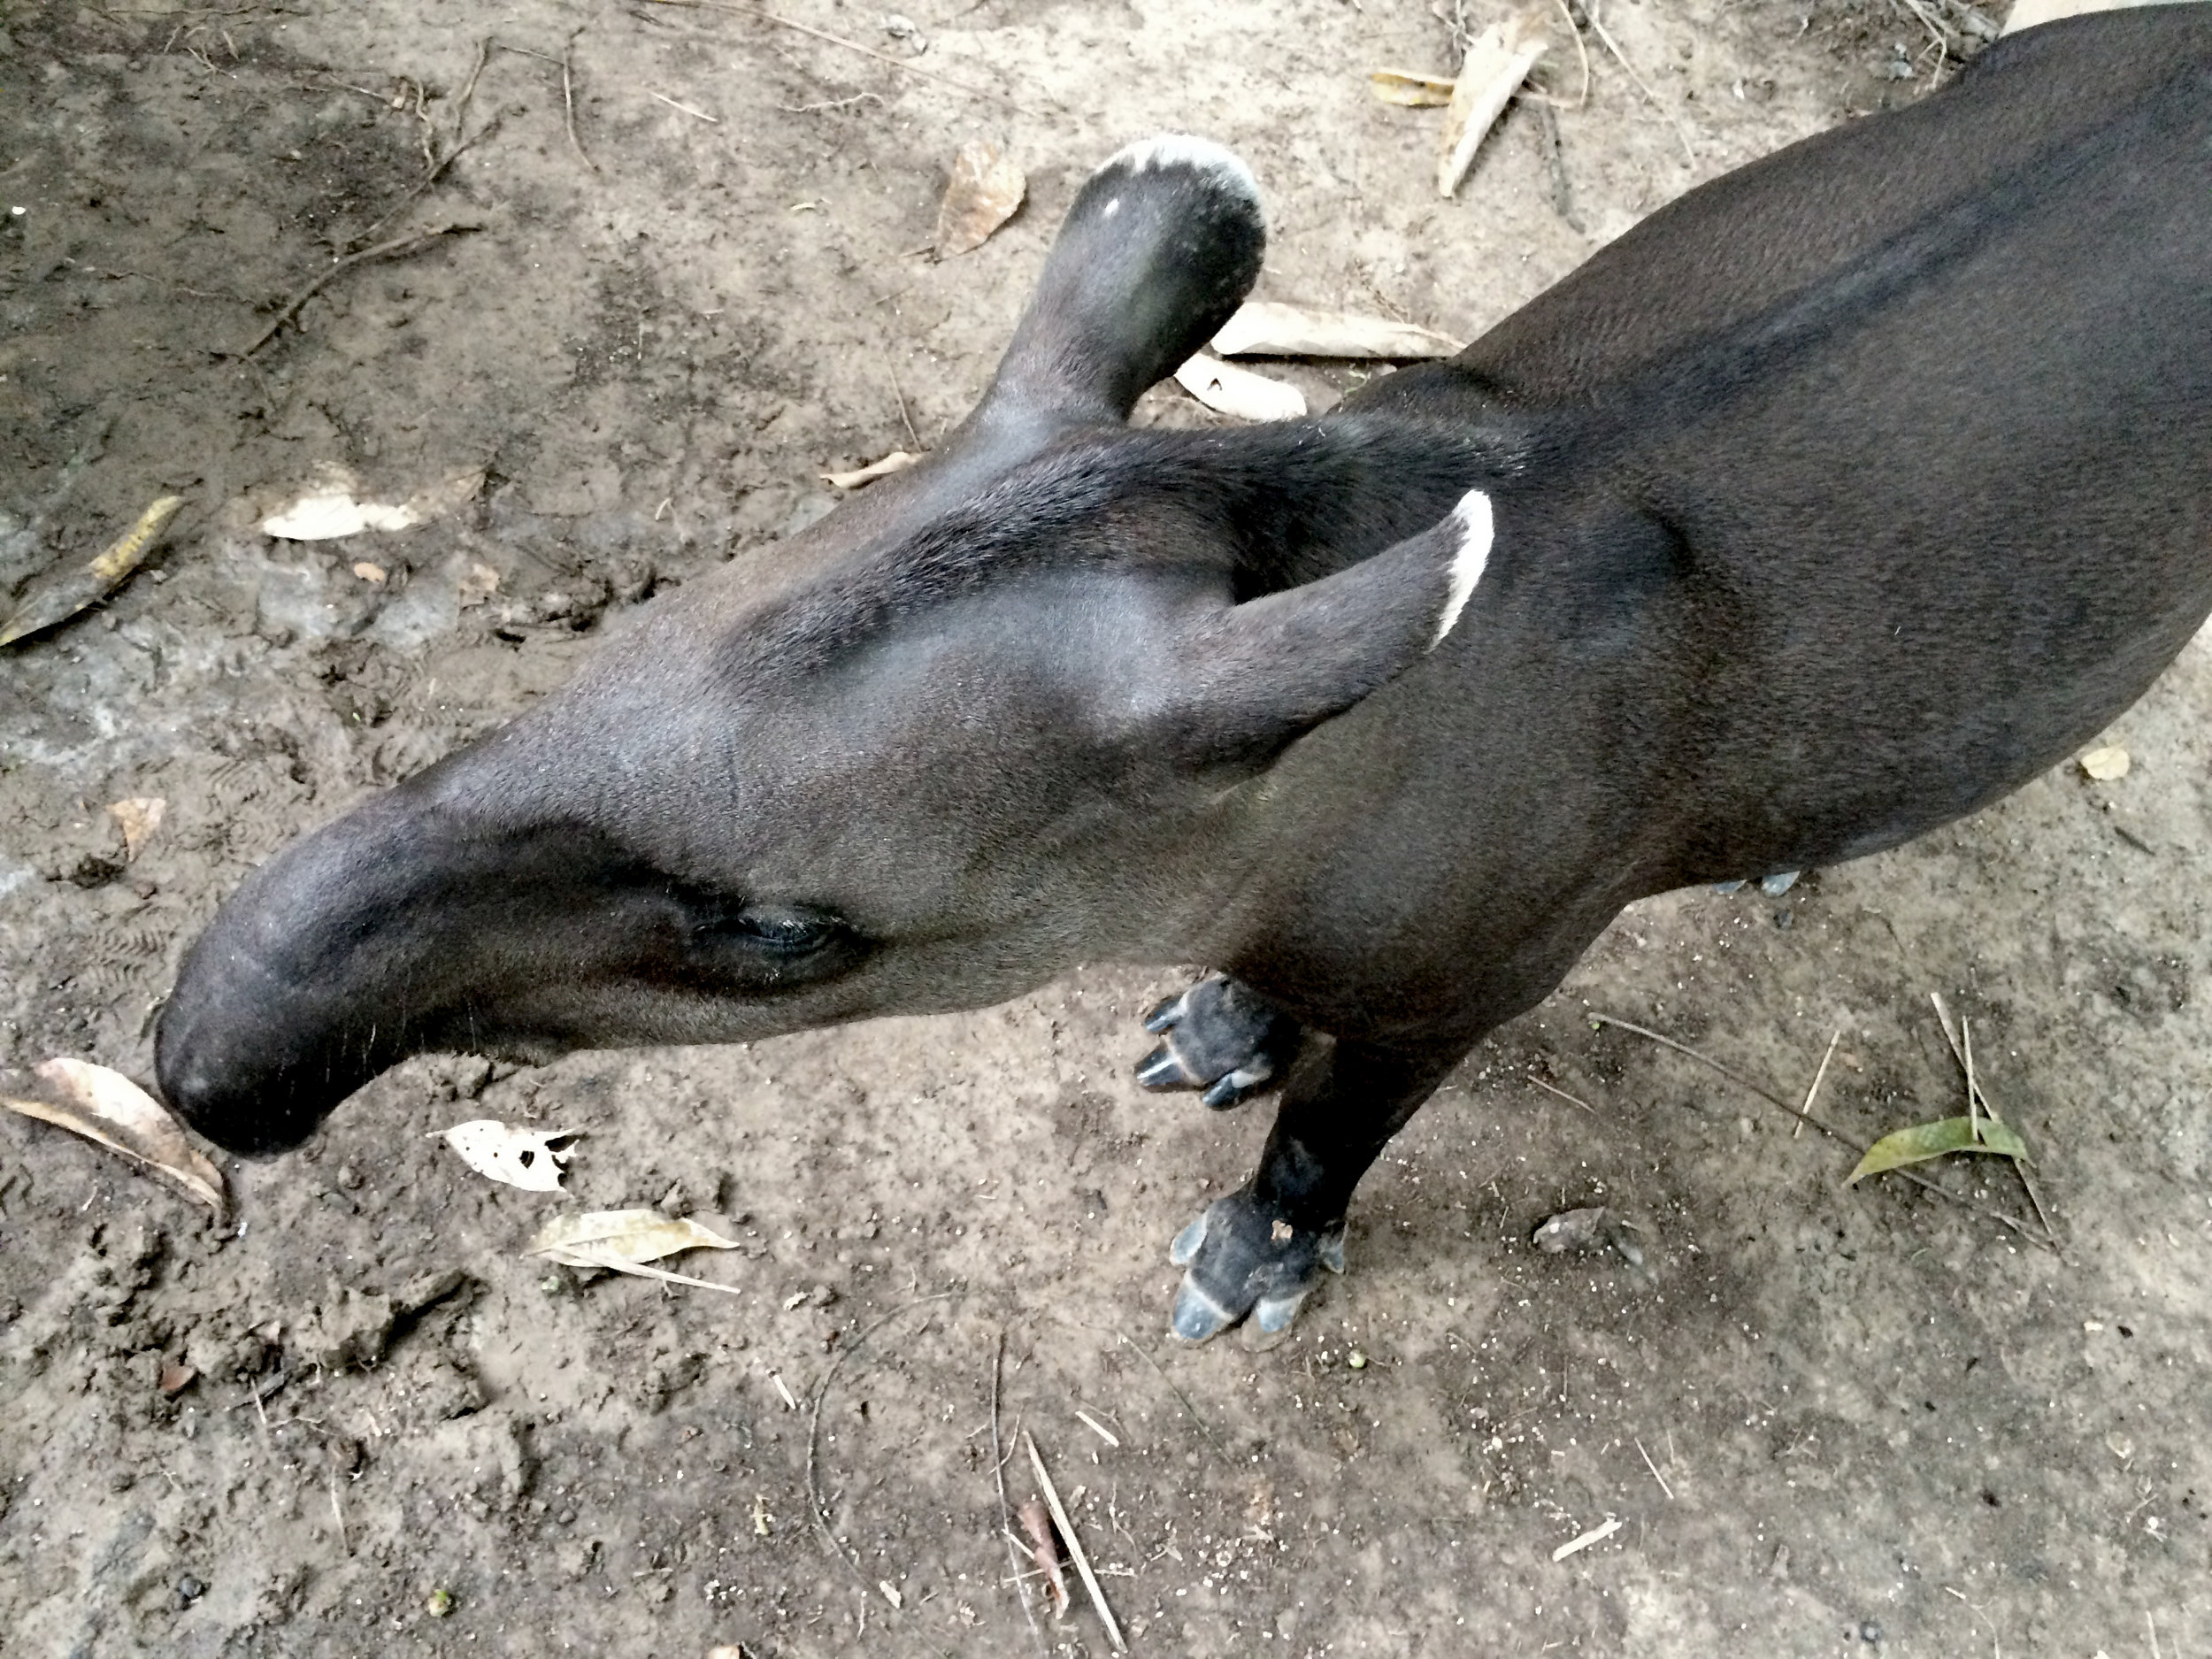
column 1833, row 502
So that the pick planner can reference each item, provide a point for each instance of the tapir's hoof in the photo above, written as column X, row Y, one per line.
column 1222, row 1038
column 1242, row 1265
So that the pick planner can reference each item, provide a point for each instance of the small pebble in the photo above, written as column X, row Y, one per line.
column 1356, row 1360
column 1869, row 1631
column 438, row 1603
column 189, row 1590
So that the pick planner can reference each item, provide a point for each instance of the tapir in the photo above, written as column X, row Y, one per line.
column 1834, row 501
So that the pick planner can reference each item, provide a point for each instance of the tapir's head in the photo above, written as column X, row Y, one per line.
column 963, row 733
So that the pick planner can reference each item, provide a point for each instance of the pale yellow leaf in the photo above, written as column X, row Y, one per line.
column 520, row 1157
column 602, row 1238
column 2106, row 765
column 138, row 817
column 107, row 1107
column 59, row 595
column 1409, row 89
column 1235, row 391
column 897, row 461
column 1497, row 61
column 1263, row 328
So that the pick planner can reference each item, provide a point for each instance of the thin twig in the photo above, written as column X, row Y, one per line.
column 905, row 419
column 1075, row 1545
column 1812, row 1093
column 1582, row 51
column 1597, row 26
column 1860, row 1147
column 2027, row 1177
column 1198, row 1421
column 568, row 99
column 712, row 120
column 339, row 1515
column 815, row 1507
column 1006, row 1509
column 1563, row 1094
column 1973, row 1094
column 397, row 248
column 1655, row 1475
column 781, row 21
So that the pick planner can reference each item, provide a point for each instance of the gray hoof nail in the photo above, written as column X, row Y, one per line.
column 1160, row 1069
column 1274, row 1314
column 1197, row 1315
column 1332, row 1252
column 1164, row 1016
column 1726, row 888
column 1181, row 1253
column 1775, row 886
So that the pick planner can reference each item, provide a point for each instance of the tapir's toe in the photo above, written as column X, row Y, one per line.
column 1243, row 1265
column 1222, row 1037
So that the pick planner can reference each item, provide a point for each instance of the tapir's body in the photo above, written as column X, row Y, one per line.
column 1838, row 499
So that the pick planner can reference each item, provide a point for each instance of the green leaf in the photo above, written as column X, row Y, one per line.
column 1923, row 1141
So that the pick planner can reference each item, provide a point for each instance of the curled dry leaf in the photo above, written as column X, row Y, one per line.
column 58, row 595
column 1044, row 1549
column 1572, row 1230
column 1262, row 328
column 2105, row 765
column 1239, row 392
column 107, row 1107
column 521, row 1157
column 622, row 1240
column 984, row 192
column 138, row 818
column 329, row 508
column 1497, row 61
column 897, row 461
column 1404, row 88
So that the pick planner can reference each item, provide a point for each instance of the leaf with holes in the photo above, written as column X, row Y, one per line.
column 1923, row 1141
column 521, row 1157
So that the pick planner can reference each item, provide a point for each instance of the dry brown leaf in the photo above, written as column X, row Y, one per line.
column 897, row 461
column 1044, row 1549
column 1262, row 328
column 1407, row 89
column 623, row 1241
column 138, row 817
column 58, row 595
column 521, row 1157
column 1239, row 392
column 2105, row 765
column 984, row 192
column 1497, row 61
column 107, row 1107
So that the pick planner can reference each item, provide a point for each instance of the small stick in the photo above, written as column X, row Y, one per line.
column 713, row 120
column 767, row 15
column 1973, row 1094
column 2027, row 1179
column 1005, row 1510
column 338, row 1514
column 1597, row 1534
column 1742, row 1081
column 1655, row 1475
column 397, row 248
column 1562, row 1094
column 816, row 1506
column 1099, row 1429
column 568, row 99
column 1075, row 1546
column 1200, row 1423
column 905, row 419
column 1811, row 1093
column 1582, row 51
column 789, row 1403
column 1597, row 27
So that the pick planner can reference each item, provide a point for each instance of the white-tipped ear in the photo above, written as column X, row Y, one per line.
column 1475, row 527
column 1266, row 670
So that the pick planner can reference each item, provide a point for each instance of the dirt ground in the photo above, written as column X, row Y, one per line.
column 1825, row 1420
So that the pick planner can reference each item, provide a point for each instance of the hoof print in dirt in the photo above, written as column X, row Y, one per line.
column 1221, row 1037
column 1242, row 1262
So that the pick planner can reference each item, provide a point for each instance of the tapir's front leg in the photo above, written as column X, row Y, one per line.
column 1261, row 1250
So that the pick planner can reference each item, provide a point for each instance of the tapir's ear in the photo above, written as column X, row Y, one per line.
column 1264, row 671
column 1160, row 246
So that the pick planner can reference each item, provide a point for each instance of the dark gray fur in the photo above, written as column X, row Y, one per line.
column 1837, row 500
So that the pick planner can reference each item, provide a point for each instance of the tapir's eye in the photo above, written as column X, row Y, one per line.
column 784, row 930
